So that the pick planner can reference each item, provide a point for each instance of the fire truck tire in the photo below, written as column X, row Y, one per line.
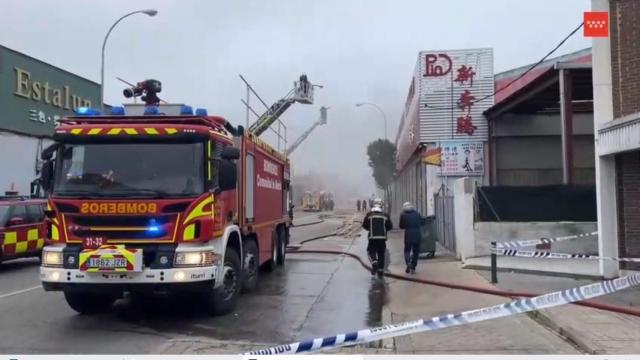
column 282, row 246
column 223, row 299
column 89, row 303
column 272, row 263
column 251, row 266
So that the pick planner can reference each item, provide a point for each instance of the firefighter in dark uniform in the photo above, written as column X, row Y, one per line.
column 377, row 223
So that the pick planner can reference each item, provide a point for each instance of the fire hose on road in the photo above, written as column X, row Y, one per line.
column 293, row 249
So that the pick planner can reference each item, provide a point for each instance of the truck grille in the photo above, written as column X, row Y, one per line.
column 121, row 228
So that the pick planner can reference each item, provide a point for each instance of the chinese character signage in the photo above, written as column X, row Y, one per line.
column 456, row 87
column 448, row 94
column 462, row 158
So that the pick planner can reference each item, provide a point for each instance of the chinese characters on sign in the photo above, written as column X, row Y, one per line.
column 461, row 158
column 40, row 116
column 464, row 123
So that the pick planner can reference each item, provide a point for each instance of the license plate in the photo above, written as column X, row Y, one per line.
column 108, row 263
column 111, row 258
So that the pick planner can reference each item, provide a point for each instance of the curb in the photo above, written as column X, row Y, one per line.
column 569, row 333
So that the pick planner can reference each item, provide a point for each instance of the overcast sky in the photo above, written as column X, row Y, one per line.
column 359, row 50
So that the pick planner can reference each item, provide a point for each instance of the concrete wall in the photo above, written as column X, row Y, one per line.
column 18, row 159
column 473, row 239
column 486, row 232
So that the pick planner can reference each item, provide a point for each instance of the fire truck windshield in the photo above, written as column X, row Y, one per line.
column 130, row 170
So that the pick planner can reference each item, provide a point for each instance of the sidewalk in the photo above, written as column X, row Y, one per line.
column 518, row 334
column 564, row 330
column 597, row 331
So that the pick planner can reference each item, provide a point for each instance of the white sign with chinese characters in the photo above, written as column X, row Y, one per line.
column 462, row 158
column 455, row 88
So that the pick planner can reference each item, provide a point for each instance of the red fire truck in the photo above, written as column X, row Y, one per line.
column 160, row 202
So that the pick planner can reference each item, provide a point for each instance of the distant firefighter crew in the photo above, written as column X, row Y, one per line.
column 377, row 223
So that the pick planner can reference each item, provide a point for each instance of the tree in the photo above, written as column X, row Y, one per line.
column 382, row 159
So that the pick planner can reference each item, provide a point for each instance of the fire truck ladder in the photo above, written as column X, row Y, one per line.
column 302, row 92
column 303, row 137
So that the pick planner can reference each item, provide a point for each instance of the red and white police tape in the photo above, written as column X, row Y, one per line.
column 467, row 317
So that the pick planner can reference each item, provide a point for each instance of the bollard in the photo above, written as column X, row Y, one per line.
column 494, row 264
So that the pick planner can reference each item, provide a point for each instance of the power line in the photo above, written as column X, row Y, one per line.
column 521, row 75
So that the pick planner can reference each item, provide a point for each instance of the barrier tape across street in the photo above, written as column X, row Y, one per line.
column 551, row 255
column 440, row 322
column 523, row 243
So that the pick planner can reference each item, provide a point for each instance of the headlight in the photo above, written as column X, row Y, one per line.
column 194, row 258
column 52, row 258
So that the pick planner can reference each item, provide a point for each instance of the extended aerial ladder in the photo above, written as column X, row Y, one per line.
column 303, row 137
column 302, row 92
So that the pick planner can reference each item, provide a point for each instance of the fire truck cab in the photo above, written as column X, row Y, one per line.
column 164, row 200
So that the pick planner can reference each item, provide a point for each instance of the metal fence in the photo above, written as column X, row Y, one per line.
column 445, row 221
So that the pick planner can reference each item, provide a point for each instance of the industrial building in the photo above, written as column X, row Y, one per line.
column 33, row 95
column 617, row 134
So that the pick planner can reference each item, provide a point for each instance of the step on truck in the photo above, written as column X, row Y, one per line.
column 159, row 199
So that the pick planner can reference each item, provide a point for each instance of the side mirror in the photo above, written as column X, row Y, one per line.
column 228, row 175
column 230, row 153
column 48, row 152
column 46, row 176
column 15, row 221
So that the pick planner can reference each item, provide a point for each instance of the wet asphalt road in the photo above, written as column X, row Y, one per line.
column 313, row 295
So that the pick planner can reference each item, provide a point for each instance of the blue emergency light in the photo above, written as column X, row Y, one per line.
column 153, row 227
column 201, row 112
column 151, row 110
column 117, row 110
column 186, row 110
column 86, row 111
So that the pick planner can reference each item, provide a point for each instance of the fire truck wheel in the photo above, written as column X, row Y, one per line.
column 250, row 272
column 282, row 246
column 223, row 299
column 272, row 263
column 89, row 303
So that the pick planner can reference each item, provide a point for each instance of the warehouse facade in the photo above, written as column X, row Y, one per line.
column 443, row 115
column 33, row 96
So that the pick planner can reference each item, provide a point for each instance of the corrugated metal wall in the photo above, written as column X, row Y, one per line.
column 439, row 95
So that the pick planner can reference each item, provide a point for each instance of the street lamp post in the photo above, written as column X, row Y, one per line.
column 150, row 12
column 384, row 117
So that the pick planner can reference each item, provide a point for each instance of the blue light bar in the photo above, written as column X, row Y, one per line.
column 117, row 110
column 151, row 110
column 86, row 111
column 186, row 110
column 201, row 112
column 153, row 226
